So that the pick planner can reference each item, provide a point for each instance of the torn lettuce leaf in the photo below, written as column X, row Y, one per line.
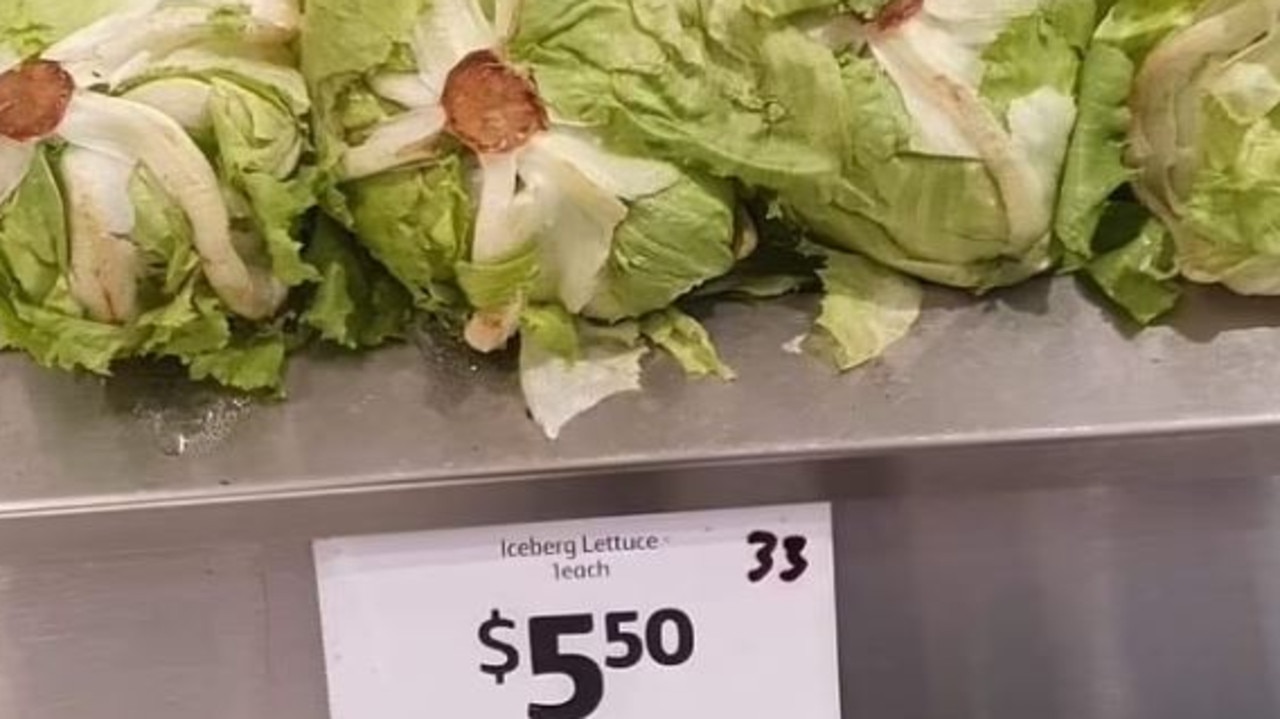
column 687, row 341
column 558, row 388
column 1138, row 275
column 866, row 308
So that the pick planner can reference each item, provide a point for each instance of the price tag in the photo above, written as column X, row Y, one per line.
column 680, row 616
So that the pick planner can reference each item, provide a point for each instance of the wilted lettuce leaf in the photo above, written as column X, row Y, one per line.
column 865, row 309
column 558, row 389
column 688, row 342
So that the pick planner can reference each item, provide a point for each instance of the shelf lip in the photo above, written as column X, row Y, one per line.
column 994, row 443
column 1040, row 364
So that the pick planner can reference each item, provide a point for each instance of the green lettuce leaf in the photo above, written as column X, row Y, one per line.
column 252, row 364
column 1138, row 275
column 688, row 342
column 418, row 223
column 1095, row 167
column 710, row 83
column 865, row 309
column 553, row 329
column 356, row 303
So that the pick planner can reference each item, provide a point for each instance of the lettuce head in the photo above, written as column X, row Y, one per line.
column 152, row 183
column 460, row 172
column 928, row 135
column 1173, row 171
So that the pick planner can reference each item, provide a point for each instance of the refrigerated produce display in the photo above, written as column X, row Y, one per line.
column 303, row 298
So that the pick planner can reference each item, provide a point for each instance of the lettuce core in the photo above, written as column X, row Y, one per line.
column 33, row 99
column 490, row 107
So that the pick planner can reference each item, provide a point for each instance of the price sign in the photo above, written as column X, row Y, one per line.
column 682, row 616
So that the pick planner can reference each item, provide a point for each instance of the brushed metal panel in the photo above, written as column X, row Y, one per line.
column 1040, row 363
column 220, row 632
column 1142, row 599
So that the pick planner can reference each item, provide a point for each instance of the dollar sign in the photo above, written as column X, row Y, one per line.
column 511, row 658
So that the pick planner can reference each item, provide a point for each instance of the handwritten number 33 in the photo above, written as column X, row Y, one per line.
column 768, row 542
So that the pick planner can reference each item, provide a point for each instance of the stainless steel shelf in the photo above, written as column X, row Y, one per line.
column 1038, row 365
column 1010, row 543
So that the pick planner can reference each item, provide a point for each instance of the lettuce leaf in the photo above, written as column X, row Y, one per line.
column 865, row 309
column 557, row 389
column 688, row 342
column 357, row 303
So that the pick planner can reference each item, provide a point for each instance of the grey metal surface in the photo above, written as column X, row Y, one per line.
column 975, row 599
column 1037, row 515
column 1038, row 363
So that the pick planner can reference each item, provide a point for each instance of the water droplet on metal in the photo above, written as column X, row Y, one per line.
column 194, row 425
column 178, row 416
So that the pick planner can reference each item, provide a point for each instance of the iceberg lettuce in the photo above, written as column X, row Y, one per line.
column 1174, row 168
column 442, row 151
column 152, row 183
column 928, row 135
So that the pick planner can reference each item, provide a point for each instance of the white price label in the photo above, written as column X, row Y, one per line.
column 681, row 616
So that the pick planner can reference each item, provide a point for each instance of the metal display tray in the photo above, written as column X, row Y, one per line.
column 1039, row 369
column 1008, row 543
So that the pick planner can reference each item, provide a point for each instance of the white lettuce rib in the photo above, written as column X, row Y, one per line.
column 506, row 13
column 498, row 234
column 578, row 238
column 403, row 141
column 184, row 99
column 15, row 160
column 284, row 14
column 104, row 261
column 630, row 178
column 118, row 45
column 491, row 329
column 450, row 31
column 137, row 133
column 406, row 89
column 958, row 105
column 935, row 131
column 495, row 239
column 8, row 60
